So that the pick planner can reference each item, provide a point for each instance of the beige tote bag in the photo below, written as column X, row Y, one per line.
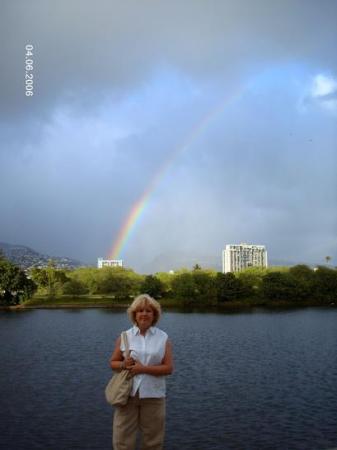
column 118, row 389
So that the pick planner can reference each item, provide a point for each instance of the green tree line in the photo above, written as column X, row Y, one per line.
column 199, row 287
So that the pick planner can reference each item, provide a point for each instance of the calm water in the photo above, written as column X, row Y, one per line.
column 260, row 380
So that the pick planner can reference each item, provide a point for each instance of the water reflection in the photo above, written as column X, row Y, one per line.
column 254, row 380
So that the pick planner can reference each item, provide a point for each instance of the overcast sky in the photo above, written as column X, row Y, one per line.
column 118, row 88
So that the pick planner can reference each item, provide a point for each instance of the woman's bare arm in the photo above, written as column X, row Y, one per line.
column 117, row 361
column 165, row 368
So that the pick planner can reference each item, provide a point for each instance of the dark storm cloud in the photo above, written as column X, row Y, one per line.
column 119, row 85
column 84, row 48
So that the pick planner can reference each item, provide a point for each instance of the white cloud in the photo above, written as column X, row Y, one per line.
column 321, row 92
column 323, row 85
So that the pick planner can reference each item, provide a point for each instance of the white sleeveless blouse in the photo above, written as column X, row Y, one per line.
column 149, row 350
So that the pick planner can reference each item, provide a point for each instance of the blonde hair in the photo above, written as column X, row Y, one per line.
column 142, row 301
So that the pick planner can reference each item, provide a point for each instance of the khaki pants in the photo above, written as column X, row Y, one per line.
column 144, row 414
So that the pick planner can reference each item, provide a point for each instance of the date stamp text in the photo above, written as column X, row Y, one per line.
column 29, row 74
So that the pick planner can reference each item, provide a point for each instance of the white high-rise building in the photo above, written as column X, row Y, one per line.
column 238, row 257
column 109, row 263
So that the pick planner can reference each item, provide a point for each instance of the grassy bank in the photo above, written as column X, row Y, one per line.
column 109, row 301
column 83, row 301
column 88, row 301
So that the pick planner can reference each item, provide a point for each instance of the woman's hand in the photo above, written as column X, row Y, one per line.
column 136, row 368
column 128, row 362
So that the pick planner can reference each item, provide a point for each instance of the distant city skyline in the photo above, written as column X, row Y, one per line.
column 27, row 257
column 156, row 132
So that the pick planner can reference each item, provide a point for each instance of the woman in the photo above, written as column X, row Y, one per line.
column 149, row 361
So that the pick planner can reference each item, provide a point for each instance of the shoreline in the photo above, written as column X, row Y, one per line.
column 64, row 306
column 170, row 306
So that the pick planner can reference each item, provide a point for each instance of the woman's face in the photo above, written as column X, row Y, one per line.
column 144, row 317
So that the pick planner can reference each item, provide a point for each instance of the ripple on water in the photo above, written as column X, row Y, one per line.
column 242, row 381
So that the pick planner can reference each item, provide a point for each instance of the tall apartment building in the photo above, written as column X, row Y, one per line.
column 109, row 263
column 238, row 257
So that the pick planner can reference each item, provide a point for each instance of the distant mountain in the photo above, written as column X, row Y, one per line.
column 282, row 262
column 26, row 257
column 288, row 263
column 176, row 260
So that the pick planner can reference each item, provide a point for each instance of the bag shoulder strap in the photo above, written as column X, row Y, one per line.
column 124, row 340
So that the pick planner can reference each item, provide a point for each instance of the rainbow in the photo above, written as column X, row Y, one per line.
column 138, row 208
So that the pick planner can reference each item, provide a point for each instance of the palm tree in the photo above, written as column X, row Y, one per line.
column 328, row 259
